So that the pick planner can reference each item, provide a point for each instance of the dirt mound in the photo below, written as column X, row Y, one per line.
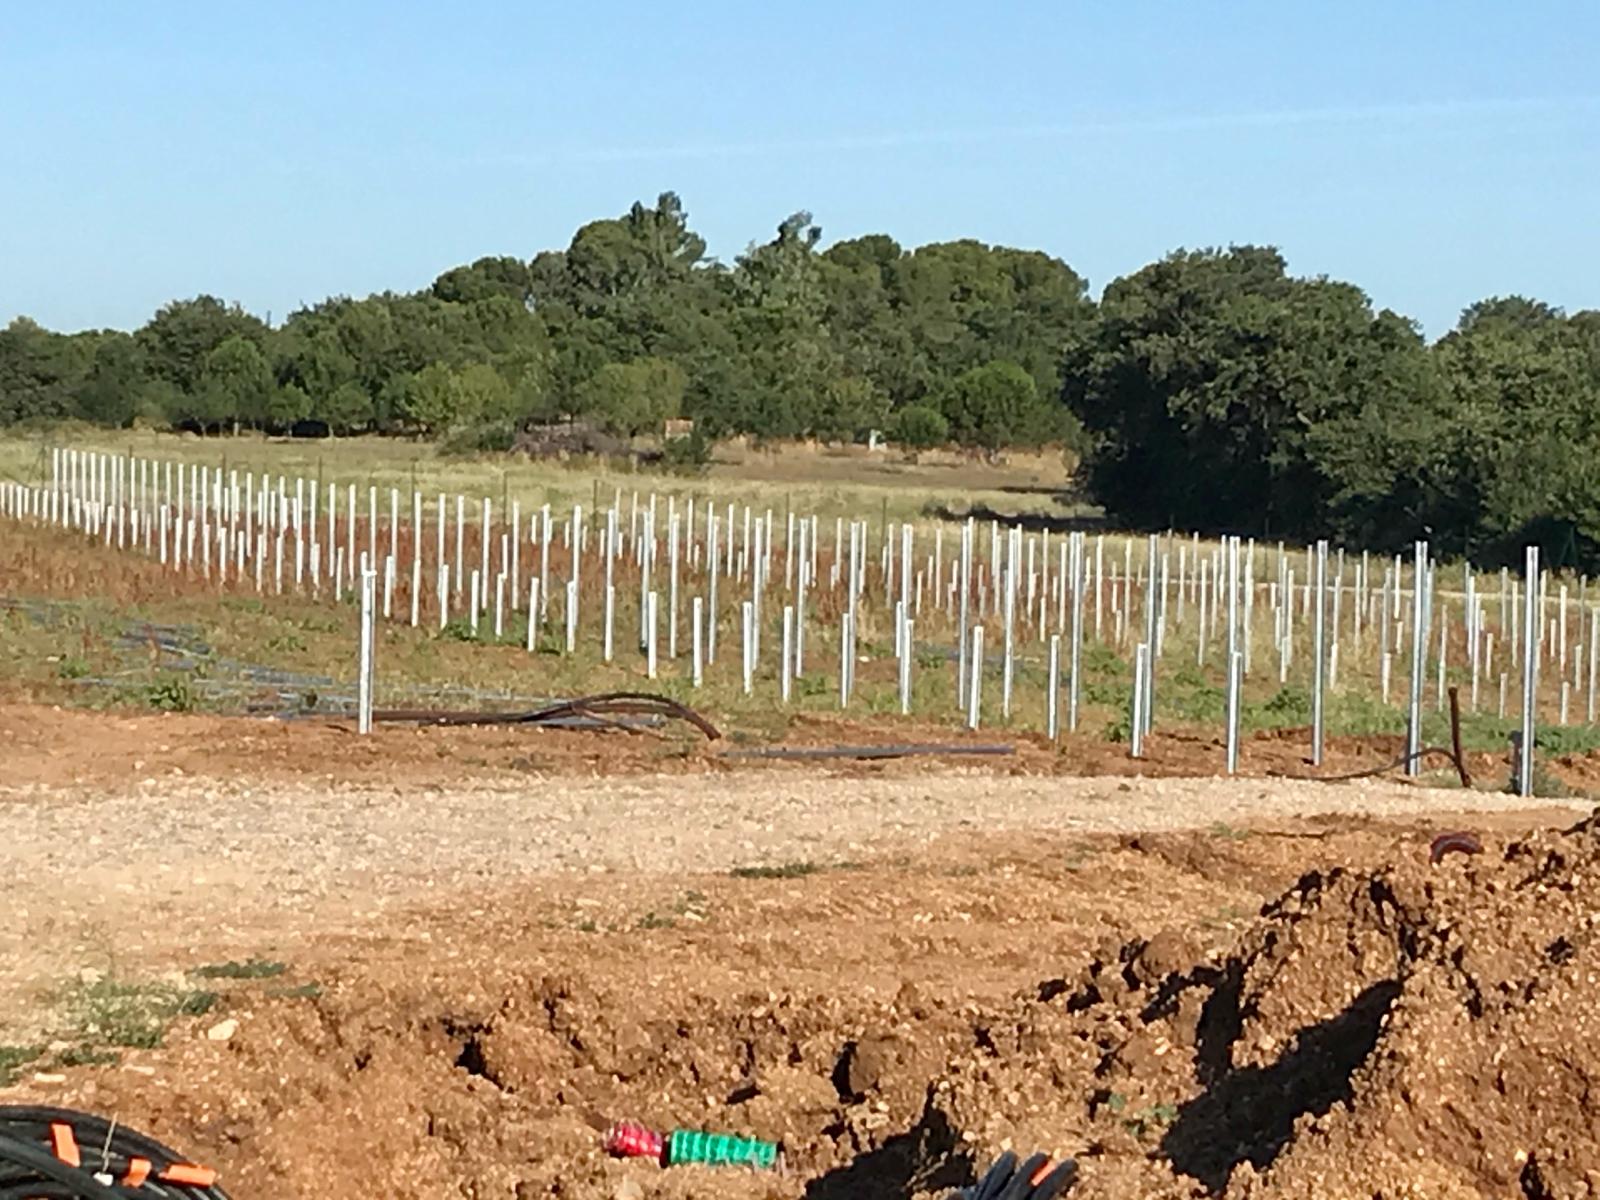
column 1416, row 1030
column 1400, row 1028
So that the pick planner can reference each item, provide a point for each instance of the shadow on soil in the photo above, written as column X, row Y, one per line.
column 1248, row 1113
column 924, row 1157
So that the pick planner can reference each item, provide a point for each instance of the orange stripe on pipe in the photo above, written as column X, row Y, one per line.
column 64, row 1145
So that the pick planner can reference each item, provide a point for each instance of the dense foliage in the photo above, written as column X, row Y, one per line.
column 1219, row 393
column 1210, row 390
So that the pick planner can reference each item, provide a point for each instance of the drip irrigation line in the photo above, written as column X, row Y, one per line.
column 1453, row 752
column 804, row 753
column 600, row 709
column 1401, row 761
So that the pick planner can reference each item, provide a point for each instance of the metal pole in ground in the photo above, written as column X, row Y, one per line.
column 697, row 664
column 1419, row 650
column 975, row 678
column 609, row 617
column 1319, row 648
column 1235, row 678
column 962, row 604
column 1151, row 602
column 1052, row 703
column 1530, row 669
column 844, row 660
column 365, row 676
column 1141, row 661
column 1079, row 570
column 1594, row 657
column 651, row 633
column 785, row 668
column 857, row 550
column 1009, row 616
column 803, row 570
column 712, row 570
column 908, row 627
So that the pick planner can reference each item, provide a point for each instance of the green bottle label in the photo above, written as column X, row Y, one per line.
column 720, row 1149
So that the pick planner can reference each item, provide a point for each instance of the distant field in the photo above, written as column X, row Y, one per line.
column 828, row 481
column 75, row 626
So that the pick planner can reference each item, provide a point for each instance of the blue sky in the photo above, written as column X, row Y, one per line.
column 1433, row 153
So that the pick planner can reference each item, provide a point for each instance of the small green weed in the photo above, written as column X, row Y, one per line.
column 692, row 901
column 1150, row 1120
column 172, row 693
column 250, row 968
column 788, row 870
column 13, row 1059
column 111, row 1012
column 87, row 1056
column 304, row 991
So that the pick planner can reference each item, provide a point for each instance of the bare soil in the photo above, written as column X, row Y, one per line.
column 496, row 942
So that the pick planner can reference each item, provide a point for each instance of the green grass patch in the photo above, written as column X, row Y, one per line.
column 87, row 1056
column 13, row 1059
column 788, row 870
column 112, row 1012
column 250, row 968
column 301, row 991
column 172, row 693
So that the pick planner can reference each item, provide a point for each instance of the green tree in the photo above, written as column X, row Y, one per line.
column 111, row 389
column 428, row 403
column 480, row 395
column 507, row 277
column 994, row 406
column 288, row 406
column 1204, row 380
column 235, row 385
column 346, row 410
column 634, row 398
column 1522, row 446
column 846, row 408
column 918, row 427
column 39, row 372
column 182, row 334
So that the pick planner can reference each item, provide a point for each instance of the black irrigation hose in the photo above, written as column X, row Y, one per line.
column 804, row 753
column 1372, row 771
column 1455, row 754
column 1035, row 1179
column 138, row 1166
column 592, row 707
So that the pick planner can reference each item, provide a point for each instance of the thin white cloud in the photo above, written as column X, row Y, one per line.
column 1089, row 126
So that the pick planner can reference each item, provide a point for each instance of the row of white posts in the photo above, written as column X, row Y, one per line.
column 300, row 537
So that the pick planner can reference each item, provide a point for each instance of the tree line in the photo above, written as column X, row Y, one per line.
column 1210, row 390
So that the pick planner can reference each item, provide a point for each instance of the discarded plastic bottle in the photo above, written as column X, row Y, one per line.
column 629, row 1139
column 719, row 1149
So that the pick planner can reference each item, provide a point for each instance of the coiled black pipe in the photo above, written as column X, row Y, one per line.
column 114, row 1162
column 1037, row 1178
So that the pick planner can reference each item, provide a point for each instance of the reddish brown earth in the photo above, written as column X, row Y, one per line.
column 63, row 747
column 1274, row 994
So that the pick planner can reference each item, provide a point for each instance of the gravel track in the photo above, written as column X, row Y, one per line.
column 244, row 849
